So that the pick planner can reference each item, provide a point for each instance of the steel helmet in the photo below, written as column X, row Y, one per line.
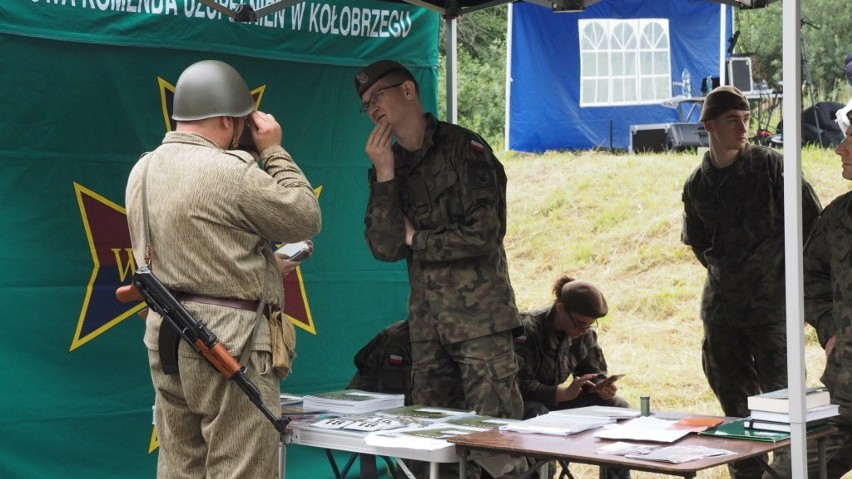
column 211, row 88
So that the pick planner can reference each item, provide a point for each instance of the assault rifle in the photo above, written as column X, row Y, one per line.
column 146, row 286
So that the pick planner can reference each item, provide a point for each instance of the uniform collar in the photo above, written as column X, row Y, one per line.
column 554, row 337
column 189, row 138
column 737, row 167
column 413, row 157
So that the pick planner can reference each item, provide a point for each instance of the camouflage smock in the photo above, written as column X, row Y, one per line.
column 548, row 358
column 453, row 190
column 828, row 294
column 734, row 222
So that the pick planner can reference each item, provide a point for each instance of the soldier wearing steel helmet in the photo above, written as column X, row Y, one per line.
column 205, row 215
column 734, row 223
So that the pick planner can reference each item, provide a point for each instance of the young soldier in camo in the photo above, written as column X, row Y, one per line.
column 438, row 200
column 734, row 222
column 559, row 343
column 561, row 359
column 828, row 308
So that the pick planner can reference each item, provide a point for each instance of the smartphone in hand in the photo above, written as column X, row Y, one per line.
column 295, row 251
column 607, row 381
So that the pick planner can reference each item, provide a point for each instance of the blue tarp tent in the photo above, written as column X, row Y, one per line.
column 579, row 81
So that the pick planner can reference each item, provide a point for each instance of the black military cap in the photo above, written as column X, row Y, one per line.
column 365, row 78
column 584, row 298
column 721, row 100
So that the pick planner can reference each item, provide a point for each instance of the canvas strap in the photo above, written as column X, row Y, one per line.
column 149, row 263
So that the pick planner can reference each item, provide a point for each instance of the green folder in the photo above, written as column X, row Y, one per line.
column 737, row 430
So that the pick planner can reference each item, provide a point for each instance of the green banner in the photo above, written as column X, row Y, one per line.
column 87, row 88
column 334, row 33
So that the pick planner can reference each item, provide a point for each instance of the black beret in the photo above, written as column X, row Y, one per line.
column 721, row 100
column 584, row 298
column 365, row 78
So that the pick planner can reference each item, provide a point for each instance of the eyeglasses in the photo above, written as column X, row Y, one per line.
column 580, row 326
column 376, row 96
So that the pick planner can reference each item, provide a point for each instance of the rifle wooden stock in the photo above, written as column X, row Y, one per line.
column 220, row 358
column 199, row 336
column 129, row 293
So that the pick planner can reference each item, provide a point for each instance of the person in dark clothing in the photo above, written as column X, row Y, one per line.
column 734, row 223
column 560, row 357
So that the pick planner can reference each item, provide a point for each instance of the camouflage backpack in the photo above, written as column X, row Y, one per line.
column 384, row 363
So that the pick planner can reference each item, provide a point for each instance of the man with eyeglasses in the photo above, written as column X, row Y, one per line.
column 561, row 360
column 438, row 201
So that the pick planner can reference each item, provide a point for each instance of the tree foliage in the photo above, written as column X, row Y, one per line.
column 481, row 75
column 825, row 38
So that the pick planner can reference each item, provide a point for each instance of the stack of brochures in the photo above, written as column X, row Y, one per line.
column 736, row 430
column 771, row 411
column 351, row 401
column 481, row 422
column 423, row 437
column 364, row 423
column 556, row 424
column 600, row 411
column 672, row 454
column 426, row 414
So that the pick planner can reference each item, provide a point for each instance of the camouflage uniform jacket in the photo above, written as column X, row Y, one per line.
column 734, row 222
column 549, row 358
column 828, row 293
column 453, row 190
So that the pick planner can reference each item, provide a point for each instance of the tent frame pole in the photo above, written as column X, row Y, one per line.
column 451, row 49
column 792, row 111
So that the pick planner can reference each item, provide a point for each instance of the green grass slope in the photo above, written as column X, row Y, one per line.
column 615, row 220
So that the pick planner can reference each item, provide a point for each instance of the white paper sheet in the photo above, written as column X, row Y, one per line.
column 644, row 429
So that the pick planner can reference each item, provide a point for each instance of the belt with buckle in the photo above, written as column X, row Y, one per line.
column 245, row 304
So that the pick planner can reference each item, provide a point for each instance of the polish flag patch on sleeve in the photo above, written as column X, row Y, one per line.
column 477, row 146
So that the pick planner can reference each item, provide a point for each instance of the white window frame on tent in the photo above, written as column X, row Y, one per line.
column 624, row 62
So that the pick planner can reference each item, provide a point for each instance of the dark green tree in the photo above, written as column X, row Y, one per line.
column 826, row 40
column 481, row 75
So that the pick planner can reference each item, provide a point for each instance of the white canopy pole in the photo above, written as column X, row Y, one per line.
column 791, row 59
column 507, row 118
column 451, row 49
column 723, row 41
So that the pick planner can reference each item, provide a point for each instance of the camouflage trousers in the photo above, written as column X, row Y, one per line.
column 838, row 456
column 740, row 362
column 479, row 374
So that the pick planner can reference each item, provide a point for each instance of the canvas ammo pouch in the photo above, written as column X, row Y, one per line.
column 283, row 337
